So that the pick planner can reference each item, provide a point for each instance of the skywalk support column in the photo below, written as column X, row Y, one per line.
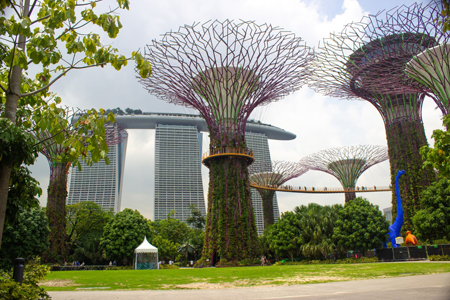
column 225, row 70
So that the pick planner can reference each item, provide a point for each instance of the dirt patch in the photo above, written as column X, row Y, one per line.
column 59, row 283
column 250, row 283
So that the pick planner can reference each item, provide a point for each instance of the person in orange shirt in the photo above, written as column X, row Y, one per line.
column 410, row 240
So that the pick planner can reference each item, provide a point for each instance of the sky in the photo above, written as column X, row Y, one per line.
column 319, row 122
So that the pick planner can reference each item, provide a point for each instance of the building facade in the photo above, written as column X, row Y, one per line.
column 178, row 176
column 100, row 183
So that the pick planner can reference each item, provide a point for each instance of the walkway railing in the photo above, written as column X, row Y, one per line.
column 324, row 190
column 228, row 151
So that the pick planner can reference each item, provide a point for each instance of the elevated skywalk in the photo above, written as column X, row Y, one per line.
column 322, row 190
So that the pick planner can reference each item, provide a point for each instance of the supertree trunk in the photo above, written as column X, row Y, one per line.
column 56, row 212
column 404, row 142
column 231, row 233
column 267, row 204
column 349, row 196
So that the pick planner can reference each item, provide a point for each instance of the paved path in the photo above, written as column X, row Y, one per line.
column 430, row 287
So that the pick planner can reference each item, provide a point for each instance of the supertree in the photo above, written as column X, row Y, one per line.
column 59, row 159
column 430, row 69
column 273, row 175
column 429, row 64
column 224, row 70
column 364, row 61
column 346, row 163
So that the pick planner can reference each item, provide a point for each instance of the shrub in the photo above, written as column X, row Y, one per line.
column 29, row 290
column 439, row 257
column 168, row 266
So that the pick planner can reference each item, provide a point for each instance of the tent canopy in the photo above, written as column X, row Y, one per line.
column 146, row 247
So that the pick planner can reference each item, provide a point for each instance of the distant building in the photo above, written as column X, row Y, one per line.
column 178, row 176
column 178, row 151
column 388, row 214
column 100, row 183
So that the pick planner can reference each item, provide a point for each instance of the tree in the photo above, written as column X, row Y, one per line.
column 361, row 225
column 34, row 35
column 316, row 225
column 284, row 236
column 85, row 223
column 433, row 221
column 27, row 237
column 439, row 156
column 167, row 249
column 122, row 234
column 23, row 193
column 171, row 229
column 196, row 219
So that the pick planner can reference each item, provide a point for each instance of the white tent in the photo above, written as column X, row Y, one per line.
column 146, row 256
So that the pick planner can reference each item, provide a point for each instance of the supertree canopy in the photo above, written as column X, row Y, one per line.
column 346, row 163
column 431, row 68
column 425, row 43
column 59, row 159
column 281, row 171
column 365, row 61
column 224, row 70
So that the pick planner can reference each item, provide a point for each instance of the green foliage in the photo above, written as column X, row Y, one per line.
column 85, row 223
column 167, row 266
column 439, row 156
column 58, row 24
column 284, row 236
column 433, row 221
column 171, row 229
column 167, row 249
column 23, row 190
column 196, row 219
column 122, row 234
column 16, row 145
column 439, row 257
column 316, row 225
column 27, row 237
column 29, row 290
column 361, row 225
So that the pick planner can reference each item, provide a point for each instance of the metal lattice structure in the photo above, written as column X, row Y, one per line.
column 429, row 67
column 282, row 171
column 225, row 70
column 366, row 61
column 346, row 163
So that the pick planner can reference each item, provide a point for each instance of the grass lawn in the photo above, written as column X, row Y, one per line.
column 233, row 277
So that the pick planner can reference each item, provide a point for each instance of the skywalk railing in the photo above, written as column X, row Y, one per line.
column 322, row 190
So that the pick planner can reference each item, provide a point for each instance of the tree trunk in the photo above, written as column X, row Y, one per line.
column 56, row 212
column 230, row 227
column 5, row 175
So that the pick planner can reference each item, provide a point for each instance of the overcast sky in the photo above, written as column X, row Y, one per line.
column 319, row 122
